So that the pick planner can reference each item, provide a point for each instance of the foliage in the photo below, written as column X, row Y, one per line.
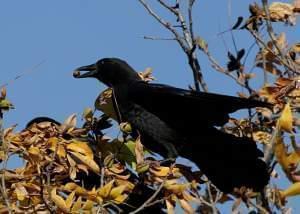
column 71, row 169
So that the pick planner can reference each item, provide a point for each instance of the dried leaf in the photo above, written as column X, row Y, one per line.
column 292, row 190
column 105, row 190
column 82, row 148
column 77, row 206
column 104, row 103
column 175, row 187
column 88, row 114
column 33, row 150
column 270, row 67
column 280, row 152
column 201, row 43
column 21, row 192
column 238, row 23
column 146, row 75
column 3, row 93
column 296, row 48
column 69, row 123
column 87, row 161
column 262, row 137
column 6, row 104
column 70, row 199
column 88, row 205
column 285, row 121
column 162, row 171
column 141, row 168
column 138, row 150
column 125, row 127
column 117, row 191
column 280, row 11
column 74, row 187
column 59, row 201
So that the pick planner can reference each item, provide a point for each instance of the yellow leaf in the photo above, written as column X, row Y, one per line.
column 120, row 199
column 281, row 153
column 293, row 158
column 72, row 172
column 59, row 201
column 176, row 188
column 53, row 141
column 92, row 194
column 69, row 199
column 81, row 147
column 117, row 191
column 262, row 137
column 285, row 121
column 77, row 206
column 162, row 171
column 74, row 187
column 87, row 161
column 117, row 168
column 34, row 150
column 130, row 186
column 105, row 190
column 292, row 190
column 296, row 48
column 125, row 127
column 88, row 205
column 21, row 192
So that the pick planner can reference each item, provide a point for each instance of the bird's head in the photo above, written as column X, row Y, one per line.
column 110, row 71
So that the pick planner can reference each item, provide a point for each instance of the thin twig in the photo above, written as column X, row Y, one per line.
column 158, row 38
column 165, row 24
column 258, row 207
column 212, row 202
column 149, row 200
column 34, row 68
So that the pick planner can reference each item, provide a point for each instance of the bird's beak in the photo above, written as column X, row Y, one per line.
column 92, row 71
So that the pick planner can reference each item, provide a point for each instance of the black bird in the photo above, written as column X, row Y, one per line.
column 174, row 121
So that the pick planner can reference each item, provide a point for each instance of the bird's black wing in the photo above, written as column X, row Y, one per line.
column 228, row 161
column 178, row 107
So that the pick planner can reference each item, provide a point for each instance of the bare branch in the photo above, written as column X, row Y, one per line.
column 165, row 24
column 190, row 12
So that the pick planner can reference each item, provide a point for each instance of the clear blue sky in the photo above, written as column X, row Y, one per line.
column 70, row 33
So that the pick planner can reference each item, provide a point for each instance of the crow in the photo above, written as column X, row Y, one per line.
column 177, row 122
